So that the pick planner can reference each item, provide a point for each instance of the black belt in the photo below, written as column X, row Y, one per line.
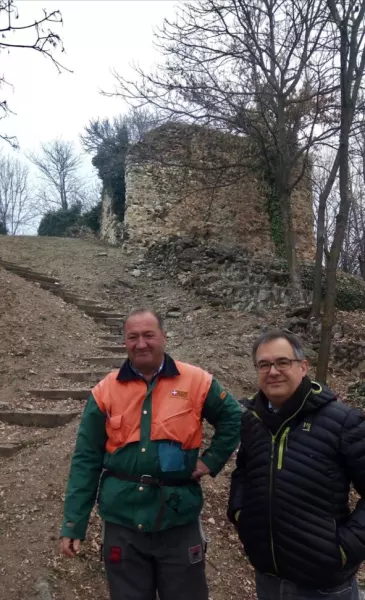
column 149, row 480
column 154, row 482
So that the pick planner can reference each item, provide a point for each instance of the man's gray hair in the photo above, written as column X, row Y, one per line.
column 277, row 334
column 141, row 311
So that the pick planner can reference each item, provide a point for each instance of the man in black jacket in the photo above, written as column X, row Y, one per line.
column 289, row 500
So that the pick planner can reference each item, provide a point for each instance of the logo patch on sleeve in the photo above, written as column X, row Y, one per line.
column 180, row 394
column 223, row 395
column 195, row 554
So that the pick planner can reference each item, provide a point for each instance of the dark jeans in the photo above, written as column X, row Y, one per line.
column 169, row 562
column 269, row 587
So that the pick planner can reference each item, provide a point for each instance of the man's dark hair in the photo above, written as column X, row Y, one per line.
column 141, row 311
column 277, row 334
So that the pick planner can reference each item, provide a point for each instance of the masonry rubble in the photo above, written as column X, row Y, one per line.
column 223, row 275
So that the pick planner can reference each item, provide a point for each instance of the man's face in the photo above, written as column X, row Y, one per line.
column 279, row 386
column 145, row 342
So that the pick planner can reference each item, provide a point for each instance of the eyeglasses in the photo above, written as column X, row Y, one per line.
column 280, row 364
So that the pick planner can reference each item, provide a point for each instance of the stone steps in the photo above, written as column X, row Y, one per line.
column 83, row 304
column 104, row 314
column 110, row 329
column 10, row 266
column 112, row 338
column 31, row 275
column 73, row 298
column 101, row 313
column 88, row 307
column 112, row 348
column 49, row 287
column 113, row 322
column 33, row 418
column 61, row 394
column 109, row 361
column 89, row 376
column 8, row 449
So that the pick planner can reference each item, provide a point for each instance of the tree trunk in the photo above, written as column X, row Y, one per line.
column 64, row 203
column 339, row 236
column 362, row 266
column 317, row 283
column 327, row 320
column 283, row 174
column 331, row 272
column 296, row 290
column 348, row 100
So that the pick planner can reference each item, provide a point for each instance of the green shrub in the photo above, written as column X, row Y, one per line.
column 3, row 230
column 60, row 222
column 91, row 219
column 57, row 222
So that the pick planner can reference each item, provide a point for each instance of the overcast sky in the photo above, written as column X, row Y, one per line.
column 98, row 35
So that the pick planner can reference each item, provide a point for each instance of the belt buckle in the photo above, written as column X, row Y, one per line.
column 143, row 477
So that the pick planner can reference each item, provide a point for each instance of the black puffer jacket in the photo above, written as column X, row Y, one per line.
column 291, row 485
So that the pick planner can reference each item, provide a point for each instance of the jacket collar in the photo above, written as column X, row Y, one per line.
column 127, row 373
column 307, row 398
column 291, row 406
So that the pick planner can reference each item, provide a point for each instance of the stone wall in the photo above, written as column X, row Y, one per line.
column 188, row 180
column 223, row 275
column 232, row 276
column 110, row 227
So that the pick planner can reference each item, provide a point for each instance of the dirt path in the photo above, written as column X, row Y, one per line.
column 51, row 335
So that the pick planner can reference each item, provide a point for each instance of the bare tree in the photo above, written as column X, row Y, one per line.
column 15, row 35
column 140, row 121
column 59, row 165
column 359, row 206
column 123, row 130
column 322, row 217
column 325, row 202
column 349, row 18
column 103, row 132
column 258, row 68
column 17, row 208
column 353, row 245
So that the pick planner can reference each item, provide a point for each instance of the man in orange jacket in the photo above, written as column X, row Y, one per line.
column 140, row 437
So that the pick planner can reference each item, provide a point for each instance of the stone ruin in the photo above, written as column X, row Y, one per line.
column 184, row 180
column 201, row 215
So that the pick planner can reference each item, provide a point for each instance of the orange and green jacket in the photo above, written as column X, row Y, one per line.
column 137, row 428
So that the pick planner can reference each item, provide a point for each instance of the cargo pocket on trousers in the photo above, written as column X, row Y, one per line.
column 205, row 539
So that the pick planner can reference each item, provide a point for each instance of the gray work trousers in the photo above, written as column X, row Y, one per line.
column 169, row 562
column 269, row 587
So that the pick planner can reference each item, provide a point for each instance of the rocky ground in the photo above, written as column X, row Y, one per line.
column 40, row 335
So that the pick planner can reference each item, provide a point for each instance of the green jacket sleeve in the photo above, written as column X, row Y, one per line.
column 223, row 412
column 86, row 467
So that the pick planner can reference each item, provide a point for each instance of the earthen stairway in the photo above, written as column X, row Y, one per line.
column 97, row 366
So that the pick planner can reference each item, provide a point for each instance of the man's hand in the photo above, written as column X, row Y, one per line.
column 200, row 470
column 70, row 547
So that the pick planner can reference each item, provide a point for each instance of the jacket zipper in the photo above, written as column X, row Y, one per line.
column 283, row 444
column 273, row 438
column 279, row 466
